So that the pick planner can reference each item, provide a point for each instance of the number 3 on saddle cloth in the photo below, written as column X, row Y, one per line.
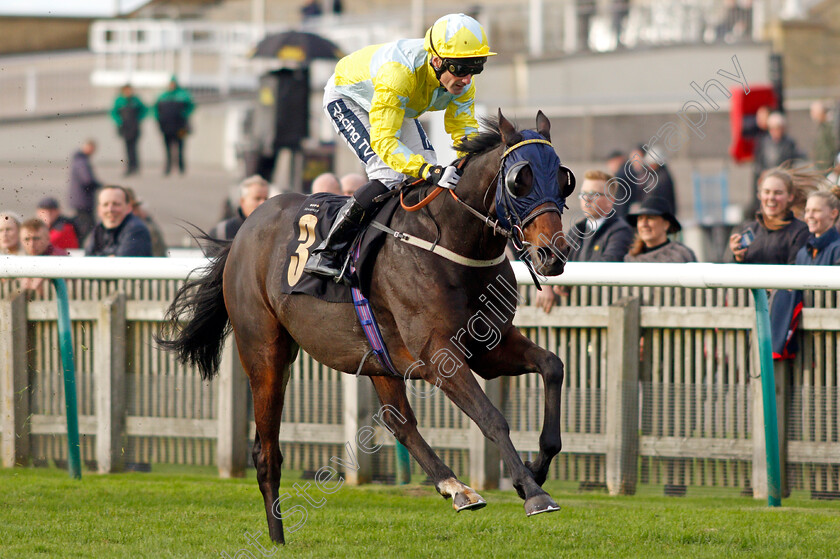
column 312, row 223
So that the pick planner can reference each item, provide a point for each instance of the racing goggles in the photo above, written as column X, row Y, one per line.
column 462, row 67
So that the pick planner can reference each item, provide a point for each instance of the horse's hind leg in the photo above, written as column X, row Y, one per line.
column 267, row 359
column 400, row 419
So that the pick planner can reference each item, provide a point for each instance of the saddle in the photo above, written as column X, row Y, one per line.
column 312, row 223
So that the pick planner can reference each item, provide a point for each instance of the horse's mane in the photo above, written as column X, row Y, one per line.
column 484, row 141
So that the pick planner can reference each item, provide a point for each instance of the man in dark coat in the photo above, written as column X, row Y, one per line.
column 120, row 232
column 631, row 172
column 658, row 181
column 253, row 191
column 83, row 185
column 128, row 111
column 776, row 147
column 601, row 236
column 172, row 110
column 773, row 149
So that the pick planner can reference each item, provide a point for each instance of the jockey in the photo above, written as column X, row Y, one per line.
column 374, row 99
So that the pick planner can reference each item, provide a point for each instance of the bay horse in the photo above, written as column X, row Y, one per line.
column 421, row 300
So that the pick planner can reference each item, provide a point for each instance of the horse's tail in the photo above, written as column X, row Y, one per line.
column 201, row 303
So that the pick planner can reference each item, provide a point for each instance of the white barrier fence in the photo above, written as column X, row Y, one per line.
column 695, row 274
column 697, row 401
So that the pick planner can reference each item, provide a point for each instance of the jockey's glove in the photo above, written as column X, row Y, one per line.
column 446, row 177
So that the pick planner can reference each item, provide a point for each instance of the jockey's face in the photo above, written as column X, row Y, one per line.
column 455, row 85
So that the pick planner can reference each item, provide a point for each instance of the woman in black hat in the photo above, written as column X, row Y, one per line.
column 653, row 221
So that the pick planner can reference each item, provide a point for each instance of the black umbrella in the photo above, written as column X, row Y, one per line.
column 296, row 46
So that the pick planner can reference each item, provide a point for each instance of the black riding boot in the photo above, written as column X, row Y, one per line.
column 327, row 259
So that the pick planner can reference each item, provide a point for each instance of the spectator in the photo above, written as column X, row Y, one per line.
column 35, row 239
column 601, row 236
column 62, row 231
column 120, row 232
column 138, row 208
column 762, row 114
column 351, row 182
column 777, row 233
column 654, row 220
column 310, row 9
column 615, row 161
column 83, row 185
column 326, row 182
column 658, row 179
column 619, row 12
column 823, row 245
column 172, row 111
column 253, row 191
column 834, row 176
column 821, row 249
column 825, row 146
column 10, row 233
column 128, row 111
column 633, row 174
column 737, row 21
column 776, row 147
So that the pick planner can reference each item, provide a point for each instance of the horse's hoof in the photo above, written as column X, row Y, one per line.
column 462, row 501
column 539, row 504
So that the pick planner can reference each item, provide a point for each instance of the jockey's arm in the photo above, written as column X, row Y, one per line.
column 387, row 113
column 459, row 120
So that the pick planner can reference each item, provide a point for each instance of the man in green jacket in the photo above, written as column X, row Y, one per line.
column 128, row 112
column 172, row 110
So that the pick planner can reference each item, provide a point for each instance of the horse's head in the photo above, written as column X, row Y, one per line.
column 531, row 192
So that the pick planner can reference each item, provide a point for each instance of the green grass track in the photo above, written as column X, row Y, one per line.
column 189, row 512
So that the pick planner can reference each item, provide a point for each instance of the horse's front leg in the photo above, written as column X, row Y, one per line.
column 516, row 355
column 458, row 383
column 400, row 419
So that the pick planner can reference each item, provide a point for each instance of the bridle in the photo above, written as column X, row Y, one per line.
column 508, row 222
column 515, row 223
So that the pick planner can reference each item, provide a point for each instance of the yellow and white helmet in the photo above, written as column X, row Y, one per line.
column 457, row 36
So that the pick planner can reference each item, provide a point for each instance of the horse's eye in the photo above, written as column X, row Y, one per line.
column 566, row 181
column 519, row 179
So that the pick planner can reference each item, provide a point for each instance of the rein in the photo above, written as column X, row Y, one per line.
column 432, row 195
column 486, row 219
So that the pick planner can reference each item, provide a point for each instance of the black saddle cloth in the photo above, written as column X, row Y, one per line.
column 316, row 217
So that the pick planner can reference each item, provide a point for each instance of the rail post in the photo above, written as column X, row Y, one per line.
column 768, row 398
column 14, row 383
column 68, row 365
column 622, row 421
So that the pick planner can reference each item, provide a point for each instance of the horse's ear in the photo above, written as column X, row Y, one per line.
column 505, row 128
column 543, row 126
